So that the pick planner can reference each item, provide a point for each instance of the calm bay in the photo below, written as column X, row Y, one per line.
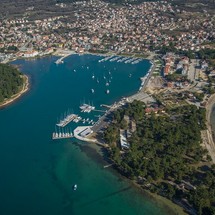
column 37, row 173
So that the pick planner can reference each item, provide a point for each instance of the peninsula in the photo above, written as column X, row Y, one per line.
column 12, row 85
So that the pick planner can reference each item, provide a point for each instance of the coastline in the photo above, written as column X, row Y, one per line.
column 171, row 205
column 168, row 205
column 24, row 89
column 63, row 53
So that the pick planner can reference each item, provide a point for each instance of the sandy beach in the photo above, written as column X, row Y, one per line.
column 25, row 88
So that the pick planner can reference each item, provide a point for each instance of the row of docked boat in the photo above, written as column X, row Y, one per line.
column 66, row 120
column 86, row 108
column 105, row 59
column 114, row 59
column 143, row 80
column 88, row 121
column 120, row 59
column 61, row 135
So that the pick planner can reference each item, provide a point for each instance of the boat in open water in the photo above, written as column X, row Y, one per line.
column 75, row 186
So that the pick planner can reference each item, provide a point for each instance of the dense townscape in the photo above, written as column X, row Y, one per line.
column 99, row 26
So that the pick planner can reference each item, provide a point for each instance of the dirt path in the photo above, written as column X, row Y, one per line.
column 207, row 135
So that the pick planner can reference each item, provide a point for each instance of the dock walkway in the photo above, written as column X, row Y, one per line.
column 65, row 55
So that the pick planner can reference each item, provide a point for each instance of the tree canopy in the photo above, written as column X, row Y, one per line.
column 11, row 81
column 165, row 150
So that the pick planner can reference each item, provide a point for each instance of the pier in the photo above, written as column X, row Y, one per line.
column 65, row 54
column 102, row 111
column 69, row 118
column 106, row 106
column 59, row 61
column 86, row 108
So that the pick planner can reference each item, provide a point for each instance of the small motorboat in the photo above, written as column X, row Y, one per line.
column 75, row 186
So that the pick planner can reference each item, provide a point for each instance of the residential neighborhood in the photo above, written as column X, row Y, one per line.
column 97, row 26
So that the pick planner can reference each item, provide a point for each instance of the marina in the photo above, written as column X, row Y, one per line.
column 114, row 59
column 122, row 59
column 136, row 61
column 86, row 108
column 68, row 118
column 106, row 59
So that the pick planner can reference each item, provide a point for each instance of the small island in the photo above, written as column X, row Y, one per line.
column 12, row 84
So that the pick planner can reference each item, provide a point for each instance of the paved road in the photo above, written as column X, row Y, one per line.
column 193, row 72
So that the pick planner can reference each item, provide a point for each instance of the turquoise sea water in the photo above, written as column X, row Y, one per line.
column 36, row 173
